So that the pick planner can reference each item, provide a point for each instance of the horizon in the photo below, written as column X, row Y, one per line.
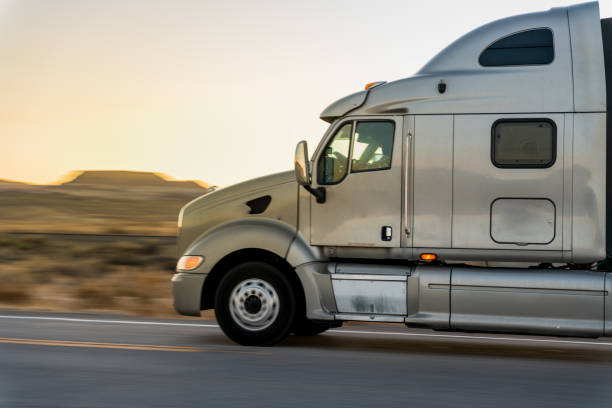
column 74, row 174
column 202, row 90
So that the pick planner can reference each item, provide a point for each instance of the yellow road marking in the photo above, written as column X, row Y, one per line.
column 89, row 344
column 68, row 343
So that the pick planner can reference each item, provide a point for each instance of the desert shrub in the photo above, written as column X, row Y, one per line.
column 14, row 293
column 109, row 248
column 9, row 254
column 132, row 288
column 139, row 286
column 44, row 270
column 29, row 243
column 94, row 295
column 64, row 269
column 124, row 253
column 126, row 260
column 164, row 262
column 115, row 231
column 114, row 253
column 74, row 270
column 5, row 240
column 19, row 243
column 150, row 249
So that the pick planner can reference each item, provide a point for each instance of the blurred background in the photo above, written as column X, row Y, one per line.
column 114, row 114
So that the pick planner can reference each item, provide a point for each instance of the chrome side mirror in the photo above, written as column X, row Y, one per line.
column 302, row 172
column 302, row 165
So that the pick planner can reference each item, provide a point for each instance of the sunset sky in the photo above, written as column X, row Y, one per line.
column 219, row 91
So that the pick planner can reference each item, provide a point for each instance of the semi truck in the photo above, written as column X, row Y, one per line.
column 472, row 196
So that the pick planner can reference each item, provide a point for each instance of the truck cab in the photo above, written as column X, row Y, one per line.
column 470, row 196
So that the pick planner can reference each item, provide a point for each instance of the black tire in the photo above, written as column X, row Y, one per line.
column 304, row 327
column 231, row 311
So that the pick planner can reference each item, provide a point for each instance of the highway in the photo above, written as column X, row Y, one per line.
column 103, row 360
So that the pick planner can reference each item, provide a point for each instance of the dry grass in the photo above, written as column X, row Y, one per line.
column 124, row 275
column 119, row 276
column 83, row 209
column 15, row 293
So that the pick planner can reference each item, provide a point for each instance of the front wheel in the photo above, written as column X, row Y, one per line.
column 305, row 327
column 255, row 304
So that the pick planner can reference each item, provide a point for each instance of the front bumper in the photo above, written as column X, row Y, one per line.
column 187, row 293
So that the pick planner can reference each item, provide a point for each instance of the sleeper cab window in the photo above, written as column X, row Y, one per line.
column 333, row 163
column 523, row 143
column 531, row 47
column 373, row 146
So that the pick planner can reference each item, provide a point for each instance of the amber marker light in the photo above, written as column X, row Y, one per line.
column 374, row 84
column 429, row 257
column 189, row 262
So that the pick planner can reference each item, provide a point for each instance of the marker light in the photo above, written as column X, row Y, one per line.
column 189, row 262
column 429, row 257
column 373, row 84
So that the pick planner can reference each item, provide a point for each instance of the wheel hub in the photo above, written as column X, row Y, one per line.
column 254, row 304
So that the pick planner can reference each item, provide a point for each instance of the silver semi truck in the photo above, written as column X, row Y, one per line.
column 471, row 196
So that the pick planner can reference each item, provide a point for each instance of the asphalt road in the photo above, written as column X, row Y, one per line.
column 97, row 360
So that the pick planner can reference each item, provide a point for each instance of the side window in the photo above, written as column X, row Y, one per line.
column 333, row 163
column 531, row 47
column 373, row 146
column 525, row 143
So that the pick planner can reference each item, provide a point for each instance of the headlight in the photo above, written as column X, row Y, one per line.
column 189, row 263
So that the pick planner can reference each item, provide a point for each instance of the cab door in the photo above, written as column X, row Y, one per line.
column 360, row 166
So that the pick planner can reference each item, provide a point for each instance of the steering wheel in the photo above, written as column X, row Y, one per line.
column 339, row 156
column 339, row 164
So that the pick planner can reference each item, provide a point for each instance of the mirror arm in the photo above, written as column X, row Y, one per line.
column 319, row 193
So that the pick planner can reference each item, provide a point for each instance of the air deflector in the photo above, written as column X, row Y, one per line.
column 259, row 205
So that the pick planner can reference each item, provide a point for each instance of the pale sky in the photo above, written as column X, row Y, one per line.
column 219, row 91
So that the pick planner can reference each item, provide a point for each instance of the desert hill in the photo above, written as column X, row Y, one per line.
column 12, row 185
column 117, row 202
column 120, row 178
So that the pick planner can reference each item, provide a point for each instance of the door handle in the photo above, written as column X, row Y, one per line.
column 386, row 233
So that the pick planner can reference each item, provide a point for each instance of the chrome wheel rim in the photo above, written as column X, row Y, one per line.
column 254, row 304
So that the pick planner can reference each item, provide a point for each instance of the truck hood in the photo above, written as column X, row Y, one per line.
column 279, row 192
column 236, row 191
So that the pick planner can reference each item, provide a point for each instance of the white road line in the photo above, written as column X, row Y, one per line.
column 71, row 319
column 336, row 331
column 459, row 336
